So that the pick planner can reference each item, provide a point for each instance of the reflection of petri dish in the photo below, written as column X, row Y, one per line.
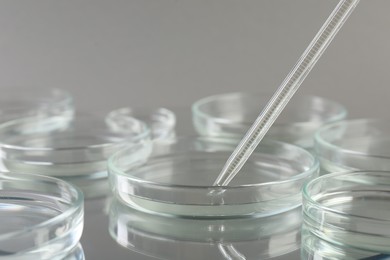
column 347, row 216
column 231, row 115
column 175, row 178
column 41, row 217
column 182, row 238
column 19, row 102
column 362, row 144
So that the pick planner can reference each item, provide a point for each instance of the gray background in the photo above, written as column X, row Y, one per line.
column 116, row 53
column 172, row 52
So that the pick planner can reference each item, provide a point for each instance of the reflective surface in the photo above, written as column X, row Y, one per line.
column 259, row 238
column 140, row 236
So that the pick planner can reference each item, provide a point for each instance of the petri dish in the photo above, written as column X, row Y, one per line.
column 182, row 238
column 76, row 150
column 41, row 217
column 347, row 216
column 18, row 102
column 231, row 115
column 361, row 144
column 175, row 178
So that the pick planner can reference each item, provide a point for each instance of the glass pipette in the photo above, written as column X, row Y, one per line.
column 286, row 90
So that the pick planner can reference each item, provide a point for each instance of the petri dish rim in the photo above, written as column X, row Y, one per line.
column 25, row 101
column 132, row 138
column 343, row 225
column 113, row 169
column 55, row 96
column 320, row 142
column 77, row 204
column 306, row 194
column 196, row 108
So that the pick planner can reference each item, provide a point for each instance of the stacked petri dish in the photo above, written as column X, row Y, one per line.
column 231, row 115
column 347, row 216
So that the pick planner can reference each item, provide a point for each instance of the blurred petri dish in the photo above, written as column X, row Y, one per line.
column 41, row 217
column 231, row 115
column 182, row 238
column 362, row 144
column 161, row 121
column 175, row 178
column 347, row 216
column 77, row 253
column 19, row 102
column 76, row 151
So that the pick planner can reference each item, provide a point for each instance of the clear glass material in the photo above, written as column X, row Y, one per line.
column 175, row 178
column 182, row 238
column 41, row 217
column 161, row 121
column 231, row 115
column 75, row 150
column 362, row 144
column 17, row 102
column 286, row 90
column 347, row 216
column 76, row 254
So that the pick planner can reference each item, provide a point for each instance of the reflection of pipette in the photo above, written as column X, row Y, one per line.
column 286, row 90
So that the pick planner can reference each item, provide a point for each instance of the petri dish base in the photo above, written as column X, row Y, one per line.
column 40, row 217
column 175, row 178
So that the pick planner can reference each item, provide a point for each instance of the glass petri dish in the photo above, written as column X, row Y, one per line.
column 175, row 178
column 18, row 102
column 182, row 238
column 76, row 150
column 41, row 217
column 347, row 216
column 362, row 144
column 231, row 115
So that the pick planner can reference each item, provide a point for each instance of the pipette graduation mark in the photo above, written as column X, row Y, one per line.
column 286, row 90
